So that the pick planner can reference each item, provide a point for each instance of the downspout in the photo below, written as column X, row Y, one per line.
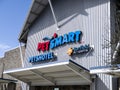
column 21, row 55
column 53, row 13
column 3, row 66
column 116, row 54
column 24, row 85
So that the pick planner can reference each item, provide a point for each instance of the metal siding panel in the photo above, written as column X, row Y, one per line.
column 91, row 17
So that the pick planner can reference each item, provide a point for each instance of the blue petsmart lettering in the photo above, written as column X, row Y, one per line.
column 66, row 38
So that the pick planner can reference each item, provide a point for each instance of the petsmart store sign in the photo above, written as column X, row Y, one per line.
column 53, row 42
column 56, row 41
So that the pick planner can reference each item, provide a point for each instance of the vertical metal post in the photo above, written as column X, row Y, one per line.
column 53, row 14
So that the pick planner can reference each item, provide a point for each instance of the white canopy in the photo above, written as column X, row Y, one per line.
column 60, row 73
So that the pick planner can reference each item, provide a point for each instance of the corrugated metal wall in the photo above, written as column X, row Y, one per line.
column 92, row 17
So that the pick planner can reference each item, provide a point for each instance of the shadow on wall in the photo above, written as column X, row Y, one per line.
column 64, row 9
column 100, row 84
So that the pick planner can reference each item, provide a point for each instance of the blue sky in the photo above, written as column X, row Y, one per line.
column 12, row 16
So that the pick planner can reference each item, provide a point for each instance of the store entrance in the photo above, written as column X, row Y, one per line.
column 83, row 87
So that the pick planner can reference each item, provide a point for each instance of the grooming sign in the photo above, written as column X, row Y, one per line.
column 80, row 50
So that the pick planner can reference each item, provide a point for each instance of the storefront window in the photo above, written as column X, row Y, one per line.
column 56, row 88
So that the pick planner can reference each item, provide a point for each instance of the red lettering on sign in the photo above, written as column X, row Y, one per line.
column 43, row 46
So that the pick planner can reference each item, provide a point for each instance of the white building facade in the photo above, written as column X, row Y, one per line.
column 63, row 41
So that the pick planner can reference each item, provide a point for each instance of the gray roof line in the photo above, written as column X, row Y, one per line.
column 20, row 35
column 33, row 11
